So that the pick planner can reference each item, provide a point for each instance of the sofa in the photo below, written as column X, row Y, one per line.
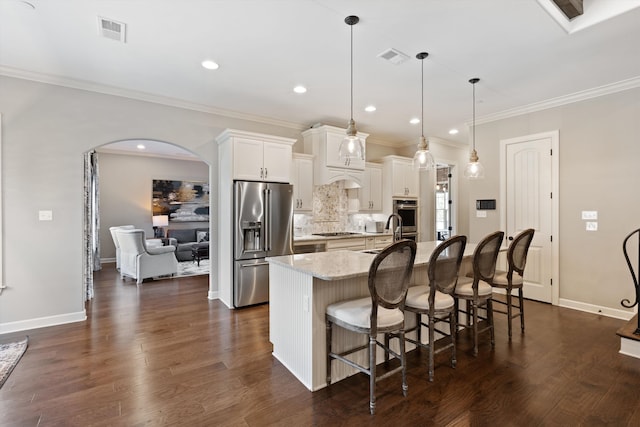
column 184, row 240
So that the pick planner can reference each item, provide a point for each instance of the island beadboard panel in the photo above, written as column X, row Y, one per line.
column 297, row 317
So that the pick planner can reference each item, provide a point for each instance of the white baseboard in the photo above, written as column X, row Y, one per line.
column 630, row 347
column 213, row 295
column 107, row 260
column 596, row 309
column 43, row 322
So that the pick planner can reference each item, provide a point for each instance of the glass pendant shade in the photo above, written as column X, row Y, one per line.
column 351, row 146
column 474, row 169
column 423, row 160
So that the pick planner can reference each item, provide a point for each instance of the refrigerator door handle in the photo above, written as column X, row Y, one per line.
column 254, row 264
column 267, row 215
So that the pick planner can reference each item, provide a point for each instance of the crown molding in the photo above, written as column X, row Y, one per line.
column 141, row 96
column 584, row 95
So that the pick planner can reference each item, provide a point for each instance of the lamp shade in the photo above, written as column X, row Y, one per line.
column 160, row 220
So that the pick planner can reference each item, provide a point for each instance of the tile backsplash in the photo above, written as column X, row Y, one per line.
column 331, row 212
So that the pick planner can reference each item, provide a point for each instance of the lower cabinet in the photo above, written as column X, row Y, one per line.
column 378, row 242
column 352, row 244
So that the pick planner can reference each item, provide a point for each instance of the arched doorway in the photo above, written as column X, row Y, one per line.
column 126, row 170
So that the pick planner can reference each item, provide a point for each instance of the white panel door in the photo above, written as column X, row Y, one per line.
column 529, row 205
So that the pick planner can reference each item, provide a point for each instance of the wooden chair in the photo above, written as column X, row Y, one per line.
column 513, row 278
column 435, row 300
column 476, row 290
column 381, row 313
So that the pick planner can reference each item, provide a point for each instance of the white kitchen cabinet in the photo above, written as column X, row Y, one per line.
column 401, row 178
column 257, row 157
column 370, row 194
column 333, row 141
column 383, row 241
column 302, row 180
column 378, row 242
column 324, row 143
column 350, row 243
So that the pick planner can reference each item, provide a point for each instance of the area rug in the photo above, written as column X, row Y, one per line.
column 10, row 355
column 191, row 268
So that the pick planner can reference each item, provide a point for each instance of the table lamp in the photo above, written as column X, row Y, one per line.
column 159, row 221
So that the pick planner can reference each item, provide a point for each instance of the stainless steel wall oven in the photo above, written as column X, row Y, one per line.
column 408, row 211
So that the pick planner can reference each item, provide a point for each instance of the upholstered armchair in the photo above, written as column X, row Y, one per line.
column 141, row 262
column 115, row 241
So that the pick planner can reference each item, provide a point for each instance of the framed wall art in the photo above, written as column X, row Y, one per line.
column 182, row 201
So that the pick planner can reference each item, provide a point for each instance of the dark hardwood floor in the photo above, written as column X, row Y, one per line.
column 162, row 354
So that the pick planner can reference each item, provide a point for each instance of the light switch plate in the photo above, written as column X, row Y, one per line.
column 590, row 215
column 45, row 215
column 592, row 226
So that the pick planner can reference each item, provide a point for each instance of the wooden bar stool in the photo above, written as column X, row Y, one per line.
column 513, row 278
column 382, row 313
column 435, row 300
column 476, row 290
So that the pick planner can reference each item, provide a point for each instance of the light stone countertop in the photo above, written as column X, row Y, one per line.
column 314, row 237
column 345, row 264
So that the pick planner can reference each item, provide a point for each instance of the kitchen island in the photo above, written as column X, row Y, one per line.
column 302, row 286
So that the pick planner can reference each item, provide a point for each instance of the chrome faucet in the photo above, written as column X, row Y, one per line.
column 397, row 233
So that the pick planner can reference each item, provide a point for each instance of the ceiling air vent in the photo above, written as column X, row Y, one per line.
column 112, row 29
column 394, row 56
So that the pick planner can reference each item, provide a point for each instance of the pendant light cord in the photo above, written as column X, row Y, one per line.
column 422, row 92
column 351, row 26
column 473, row 83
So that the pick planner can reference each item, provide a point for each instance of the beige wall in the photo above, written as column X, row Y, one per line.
column 125, row 191
column 599, row 153
column 46, row 130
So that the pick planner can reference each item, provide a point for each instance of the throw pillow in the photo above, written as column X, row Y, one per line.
column 202, row 236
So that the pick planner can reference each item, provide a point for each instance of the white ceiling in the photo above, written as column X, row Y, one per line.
column 266, row 47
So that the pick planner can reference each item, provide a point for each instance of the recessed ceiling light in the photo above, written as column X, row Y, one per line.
column 299, row 89
column 370, row 108
column 140, row 147
column 453, row 131
column 414, row 121
column 210, row 65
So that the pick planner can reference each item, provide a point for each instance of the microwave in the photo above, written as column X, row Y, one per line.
column 408, row 211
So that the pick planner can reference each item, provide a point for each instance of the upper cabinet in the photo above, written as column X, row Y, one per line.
column 302, row 180
column 370, row 194
column 401, row 178
column 324, row 143
column 255, row 157
column 332, row 147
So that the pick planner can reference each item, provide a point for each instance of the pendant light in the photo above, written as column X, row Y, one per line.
column 351, row 146
column 474, row 169
column 423, row 160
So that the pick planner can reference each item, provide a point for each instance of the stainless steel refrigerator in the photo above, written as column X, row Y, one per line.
column 263, row 224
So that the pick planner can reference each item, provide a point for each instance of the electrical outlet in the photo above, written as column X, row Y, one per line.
column 45, row 215
column 481, row 214
column 590, row 215
column 592, row 226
